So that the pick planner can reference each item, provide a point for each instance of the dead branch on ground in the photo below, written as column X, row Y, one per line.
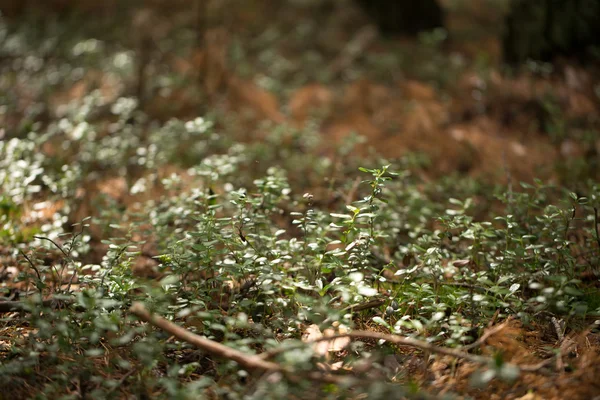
column 260, row 362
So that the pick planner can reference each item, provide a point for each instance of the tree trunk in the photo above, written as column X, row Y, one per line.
column 544, row 29
column 404, row 17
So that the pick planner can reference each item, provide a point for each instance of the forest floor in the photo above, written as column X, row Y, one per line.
column 447, row 105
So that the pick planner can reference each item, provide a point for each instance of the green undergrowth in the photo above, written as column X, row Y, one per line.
column 247, row 258
column 249, row 243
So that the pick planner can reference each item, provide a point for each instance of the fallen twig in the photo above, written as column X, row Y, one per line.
column 121, row 381
column 249, row 361
column 568, row 343
column 426, row 346
column 217, row 349
column 486, row 335
column 403, row 341
column 259, row 362
column 558, row 328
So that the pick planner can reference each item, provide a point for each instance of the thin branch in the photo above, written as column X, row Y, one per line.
column 121, row 381
column 67, row 258
column 486, row 335
column 71, row 246
column 54, row 243
column 558, row 328
column 249, row 361
column 37, row 272
column 75, row 236
column 423, row 345
column 568, row 223
column 112, row 264
column 567, row 343
column 217, row 349
column 259, row 362
column 405, row 341
column 537, row 368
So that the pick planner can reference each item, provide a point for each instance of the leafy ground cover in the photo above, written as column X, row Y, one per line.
column 288, row 210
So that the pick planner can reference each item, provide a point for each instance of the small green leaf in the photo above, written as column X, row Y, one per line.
column 382, row 322
column 573, row 291
column 169, row 280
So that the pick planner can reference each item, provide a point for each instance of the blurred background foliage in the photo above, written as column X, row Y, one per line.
column 203, row 157
column 537, row 29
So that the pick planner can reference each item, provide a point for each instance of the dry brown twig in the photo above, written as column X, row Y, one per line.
column 568, row 343
column 487, row 334
column 426, row 346
column 259, row 362
column 249, row 361
column 245, row 360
